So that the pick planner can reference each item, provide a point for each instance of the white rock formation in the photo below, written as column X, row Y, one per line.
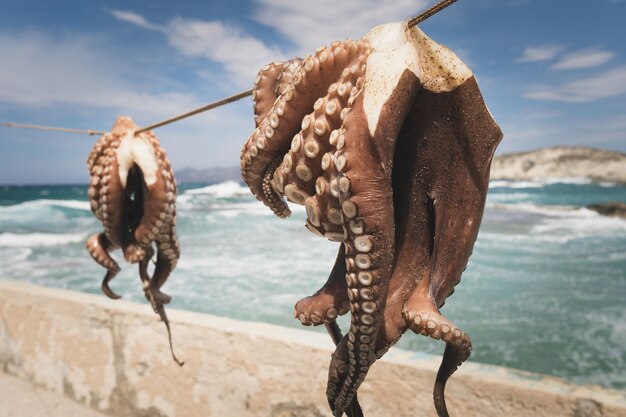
column 559, row 162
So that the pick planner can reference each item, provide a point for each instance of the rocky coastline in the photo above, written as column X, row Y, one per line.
column 598, row 165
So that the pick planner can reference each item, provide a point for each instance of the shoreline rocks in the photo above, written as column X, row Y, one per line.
column 612, row 209
column 560, row 162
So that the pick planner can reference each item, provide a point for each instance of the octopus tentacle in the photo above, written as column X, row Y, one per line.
column 429, row 322
column 111, row 195
column 453, row 357
column 96, row 162
column 157, row 305
column 272, row 190
column 329, row 301
column 354, row 409
column 312, row 149
column 290, row 68
column 269, row 84
column 105, row 285
column 273, row 136
column 99, row 246
column 264, row 92
column 368, row 207
column 168, row 251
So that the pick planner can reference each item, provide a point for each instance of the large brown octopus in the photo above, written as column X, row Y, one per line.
column 387, row 143
column 132, row 191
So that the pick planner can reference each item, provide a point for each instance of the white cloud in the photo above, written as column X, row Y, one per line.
column 38, row 71
column 307, row 25
column 587, row 58
column 540, row 53
column 241, row 55
column 86, row 82
column 135, row 19
column 312, row 24
column 608, row 84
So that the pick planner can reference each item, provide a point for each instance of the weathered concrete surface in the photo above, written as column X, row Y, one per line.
column 19, row 398
column 113, row 356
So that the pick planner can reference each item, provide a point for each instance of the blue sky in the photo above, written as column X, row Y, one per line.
column 552, row 71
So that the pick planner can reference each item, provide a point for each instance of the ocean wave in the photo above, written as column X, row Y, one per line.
column 552, row 210
column 508, row 197
column 541, row 182
column 581, row 223
column 11, row 256
column 228, row 189
column 608, row 184
column 30, row 240
column 563, row 224
column 35, row 204
column 515, row 184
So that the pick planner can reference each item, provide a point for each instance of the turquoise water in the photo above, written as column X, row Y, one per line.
column 545, row 290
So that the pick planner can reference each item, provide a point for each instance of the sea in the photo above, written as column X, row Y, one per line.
column 544, row 291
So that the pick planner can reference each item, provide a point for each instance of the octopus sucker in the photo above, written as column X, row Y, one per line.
column 302, row 92
column 387, row 142
column 133, row 192
column 329, row 301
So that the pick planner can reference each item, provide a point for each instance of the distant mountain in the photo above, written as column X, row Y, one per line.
column 208, row 175
column 555, row 162
column 559, row 162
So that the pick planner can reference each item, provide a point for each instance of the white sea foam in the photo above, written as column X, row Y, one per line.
column 11, row 256
column 539, row 183
column 506, row 197
column 35, row 204
column 515, row 184
column 581, row 223
column 561, row 224
column 228, row 189
column 39, row 239
column 212, row 199
column 552, row 210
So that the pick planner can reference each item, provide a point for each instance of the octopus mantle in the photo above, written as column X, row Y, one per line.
column 387, row 143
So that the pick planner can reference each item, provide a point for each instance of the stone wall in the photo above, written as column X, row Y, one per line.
column 113, row 356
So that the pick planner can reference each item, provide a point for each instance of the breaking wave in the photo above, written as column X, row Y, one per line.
column 30, row 240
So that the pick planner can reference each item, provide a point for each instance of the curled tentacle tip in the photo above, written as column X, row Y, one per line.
column 178, row 362
column 108, row 292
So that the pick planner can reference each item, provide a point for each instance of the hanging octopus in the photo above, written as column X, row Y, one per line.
column 132, row 191
column 387, row 143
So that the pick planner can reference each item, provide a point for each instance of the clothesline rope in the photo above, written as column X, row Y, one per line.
column 429, row 12
column 53, row 129
column 199, row 110
column 413, row 22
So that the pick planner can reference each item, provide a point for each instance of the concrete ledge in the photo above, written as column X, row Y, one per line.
column 19, row 398
column 113, row 356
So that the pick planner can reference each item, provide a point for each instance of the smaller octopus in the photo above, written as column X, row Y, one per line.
column 132, row 191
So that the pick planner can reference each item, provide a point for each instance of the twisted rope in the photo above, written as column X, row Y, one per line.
column 199, row 110
column 429, row 12
column 53, row 129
